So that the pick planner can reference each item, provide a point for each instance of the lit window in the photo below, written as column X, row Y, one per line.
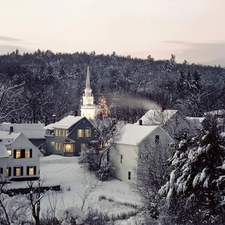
column 8, row 171
column 57, row 146
column 52, row 143
column 30, row 170
column 129, row 175
column 83, row 145
column 80, row 133
column 68, row 147
column 17, row 171
column 56, row 132
column 87, row 132
column 66, row 132
column 18, row 154
column 157, row 139
column 9, row 150
column 28, row 153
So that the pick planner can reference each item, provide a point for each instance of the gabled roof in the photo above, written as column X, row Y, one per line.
column 219, row 112
column 30, row 130
column 157, row 117
column 7, row 138
column 3, row 151
column 196, row 122
column 133, row 134
column 64, row 123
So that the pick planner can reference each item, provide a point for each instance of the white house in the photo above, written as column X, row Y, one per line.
column 3, row 160
column 172, row 121
column 35, row 132
column 22, row 161
column 128, row 143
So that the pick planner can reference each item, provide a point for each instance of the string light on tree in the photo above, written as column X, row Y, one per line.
column 103, row 108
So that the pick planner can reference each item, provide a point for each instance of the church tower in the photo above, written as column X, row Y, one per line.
column 88, row 108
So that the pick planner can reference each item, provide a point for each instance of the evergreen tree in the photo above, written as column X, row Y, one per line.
column 195, row 188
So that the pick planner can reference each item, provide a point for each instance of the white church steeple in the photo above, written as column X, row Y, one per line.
column 88, row 108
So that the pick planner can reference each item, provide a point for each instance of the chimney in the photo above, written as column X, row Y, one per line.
column 53, row 118
column 10, row 130
column 75, row 113
column 140, row 122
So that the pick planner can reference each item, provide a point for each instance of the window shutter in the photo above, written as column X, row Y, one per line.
column 22, row 153
column 9, row 171
column 14, row 153
column 21, row 171
column 1, row 171
column 14, row 171
column 30, row 153
column 27, row 170
column 34, row 170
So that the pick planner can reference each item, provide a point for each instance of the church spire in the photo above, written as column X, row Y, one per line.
column 88, row 79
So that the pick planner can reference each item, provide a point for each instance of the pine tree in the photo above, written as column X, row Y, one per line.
column 196, row 184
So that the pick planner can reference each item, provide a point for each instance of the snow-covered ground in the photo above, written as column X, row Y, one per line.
column 76, row 181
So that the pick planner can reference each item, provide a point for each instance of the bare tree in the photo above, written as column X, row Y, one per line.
column 151, row 174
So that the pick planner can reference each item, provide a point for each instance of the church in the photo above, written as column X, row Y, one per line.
column 88, row 108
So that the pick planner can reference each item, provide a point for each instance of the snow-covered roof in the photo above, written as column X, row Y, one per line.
column 7, row 137
column 133, row 134
column 196, row 121
column 64, row 123
column 3, row 151
column 219, row 112
column 30, row 130
column 157, row 117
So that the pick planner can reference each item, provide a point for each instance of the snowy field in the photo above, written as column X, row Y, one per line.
column 76, row 182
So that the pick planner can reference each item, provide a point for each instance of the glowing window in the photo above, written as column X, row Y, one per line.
column 30, row 170
column 56, row 132
column 80, row 133
column 17, row 171
column 83, row 145
column 28, row 153
column 52, row 143
column 18, row 154
column 87, row 132
column 8, row 171
column 9, row 150
column 68, row 147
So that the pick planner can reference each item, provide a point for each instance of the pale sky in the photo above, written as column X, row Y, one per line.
column 190, row 29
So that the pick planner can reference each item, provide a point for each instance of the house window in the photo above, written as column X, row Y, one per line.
column 18, row 154
column 68, row 147
column 31, row 170
column 121, row 158
column 52, row 143
column 28, row 153
column 83, row 145
column 129, row 175
column 156, row 139
column 8, row 171
column 18, row 171
column 80, row 133
column 9, row 150
column 56, row 132
column 87, row 132
column 57, row 146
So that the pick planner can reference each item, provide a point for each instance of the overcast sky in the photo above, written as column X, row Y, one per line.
column 190, row 29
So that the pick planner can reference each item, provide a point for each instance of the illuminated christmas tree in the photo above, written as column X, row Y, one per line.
column 103, row 108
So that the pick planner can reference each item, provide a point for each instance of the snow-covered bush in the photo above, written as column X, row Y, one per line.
column 105, row 173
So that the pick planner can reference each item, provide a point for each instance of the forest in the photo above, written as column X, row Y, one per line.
column 34, row 86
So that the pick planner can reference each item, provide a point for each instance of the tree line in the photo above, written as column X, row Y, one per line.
column 34, row 86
